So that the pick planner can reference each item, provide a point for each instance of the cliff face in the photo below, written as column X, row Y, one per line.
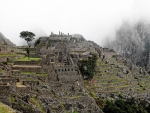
column 133, row 42
column 5, row 41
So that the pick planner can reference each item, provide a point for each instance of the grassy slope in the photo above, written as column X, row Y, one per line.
column 107, row 81
column 26, row 59
column 6, row 109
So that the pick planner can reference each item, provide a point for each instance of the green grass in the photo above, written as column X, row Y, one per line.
column 93, row 94
column 36, row 102
column 73, row 97
column 9, row 63
column 42, row 74
column 5, row 109
column 1, row 71
column 12, row 99
column 140, row 90
column 27, row 73
column 75, row 112
column 26, row 59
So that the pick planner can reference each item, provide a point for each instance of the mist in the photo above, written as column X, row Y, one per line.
column 96, row 20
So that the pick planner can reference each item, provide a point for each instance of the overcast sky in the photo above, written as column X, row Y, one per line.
column 94, row 19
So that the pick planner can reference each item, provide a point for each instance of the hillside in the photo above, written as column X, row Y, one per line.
column 6, row 109
column 119, row 80
column 133, row 43
column 5, row 41
column 50, row 81
column 115, row 75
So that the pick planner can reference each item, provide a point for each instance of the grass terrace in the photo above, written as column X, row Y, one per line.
column 2, row 55
column 6, row 109
column 31, row 73
column 9, row 63
column 26, row 59
column 42, row 74
column 27, row 73
column 37, row 103
column 1, row 71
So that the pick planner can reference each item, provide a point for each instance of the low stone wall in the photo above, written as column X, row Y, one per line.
column 8, row 81
column 29, row 69
column 71, row 77
column 35, row 55
column 43, row 78
column 29, row 83
column 83, row 104
column 24, row 76
column 22, row 90
column 62, row 88
column 109, row 54
column 15, row 72
column 43, row 93
column 5, row 58
column 5, row 93
column 27, row 63
column 4, row 89
column 5, row 99
column 5, row 76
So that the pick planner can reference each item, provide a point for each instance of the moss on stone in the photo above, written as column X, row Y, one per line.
column 37, row 103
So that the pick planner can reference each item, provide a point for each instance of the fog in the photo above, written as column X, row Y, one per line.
column 96, row 20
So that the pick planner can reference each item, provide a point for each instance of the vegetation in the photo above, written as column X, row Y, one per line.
column 27, row 73
column 5, row 109
column 75, row 112
column 36, row 102
column 28, row 37
column 26, row 59
column 87, row 67
column 12, row 99
column 1, row 71
column 42, row 74
column 125, row 106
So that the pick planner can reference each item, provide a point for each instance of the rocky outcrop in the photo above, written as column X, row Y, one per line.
column 5, row 41
column 133, row 43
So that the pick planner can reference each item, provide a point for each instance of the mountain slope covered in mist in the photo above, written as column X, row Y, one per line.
column 5, row 41
column 133, row 43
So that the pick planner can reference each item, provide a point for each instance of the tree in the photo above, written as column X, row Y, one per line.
column 28, row 37
column 87, row 67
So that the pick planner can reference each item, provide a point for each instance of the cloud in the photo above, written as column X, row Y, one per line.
column 96, row 20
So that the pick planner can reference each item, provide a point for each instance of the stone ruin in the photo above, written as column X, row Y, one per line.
column 62, row 78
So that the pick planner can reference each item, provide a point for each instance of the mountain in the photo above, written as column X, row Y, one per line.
column 133, row 43
column 60, row 77
column 5, row 41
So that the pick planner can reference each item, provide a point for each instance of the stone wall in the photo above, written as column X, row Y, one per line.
column 7, row 80
column 82, row 104
column 29, row 83
column 29, row 69
column 23, row 90
column 27, row 63
column 105, row 49
column 6, row 58
column 5, row 91
column 64, row 69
